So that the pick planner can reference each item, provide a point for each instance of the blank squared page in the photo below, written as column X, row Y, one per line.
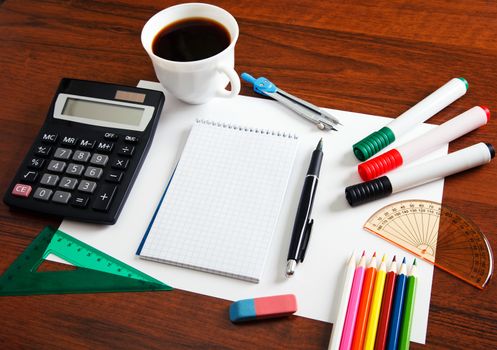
column 222, row 204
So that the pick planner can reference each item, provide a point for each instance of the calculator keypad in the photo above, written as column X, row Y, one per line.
column 56, row 166
column 61, row 197
column 42, row 194
column 87, row 186
column 75, row 169
column 79, row 172
column 62, row 153
column 93, row 172
column 81, row 156
column 49, row 179
column 99, row 159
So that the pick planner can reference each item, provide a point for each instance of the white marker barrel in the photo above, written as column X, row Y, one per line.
column 419, row 113
column 406, row 178
column 428, row 107
column 420, row 146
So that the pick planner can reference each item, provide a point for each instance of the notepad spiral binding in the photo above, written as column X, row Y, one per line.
column 247, row 128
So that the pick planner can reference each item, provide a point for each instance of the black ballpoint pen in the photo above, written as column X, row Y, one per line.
column 303, row 223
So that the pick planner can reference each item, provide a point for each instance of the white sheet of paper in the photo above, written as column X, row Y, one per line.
column 337, row 228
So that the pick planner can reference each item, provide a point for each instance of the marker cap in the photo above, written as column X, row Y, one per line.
column 380, row 165
column 368, row 191
column 491, row 149
column 373, row 143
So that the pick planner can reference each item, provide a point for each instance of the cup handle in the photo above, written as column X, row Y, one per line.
column 234, row 81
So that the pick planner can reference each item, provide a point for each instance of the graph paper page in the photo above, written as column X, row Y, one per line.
column 221, row 207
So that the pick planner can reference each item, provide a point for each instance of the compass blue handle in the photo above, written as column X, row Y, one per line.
column 261, row 85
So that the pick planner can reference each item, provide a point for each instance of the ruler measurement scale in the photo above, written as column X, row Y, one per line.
column 96, row 271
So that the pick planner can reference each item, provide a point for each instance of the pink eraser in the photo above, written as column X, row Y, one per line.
column 265, row 307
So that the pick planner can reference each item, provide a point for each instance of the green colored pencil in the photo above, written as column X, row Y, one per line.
column 405, row 329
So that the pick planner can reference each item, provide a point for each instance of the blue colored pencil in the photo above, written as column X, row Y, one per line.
column 397, row 306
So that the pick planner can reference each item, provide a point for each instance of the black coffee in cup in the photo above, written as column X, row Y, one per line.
column 191, row 39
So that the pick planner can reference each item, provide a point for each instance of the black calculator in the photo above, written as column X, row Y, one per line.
column 89, row 151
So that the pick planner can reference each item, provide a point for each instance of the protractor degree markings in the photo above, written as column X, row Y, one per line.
column 398, row 231
column 416, row 227
column 409, row 225
column 433, row 232
column 432, row 220
column 392, row 234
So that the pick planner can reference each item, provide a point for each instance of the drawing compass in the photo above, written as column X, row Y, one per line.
column 314, row 114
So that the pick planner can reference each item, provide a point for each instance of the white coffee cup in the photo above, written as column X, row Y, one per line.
column 195, row 82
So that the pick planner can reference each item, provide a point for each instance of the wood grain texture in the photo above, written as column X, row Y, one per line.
column 376, row 57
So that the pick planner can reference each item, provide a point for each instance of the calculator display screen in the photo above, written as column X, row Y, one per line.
column 103, row 111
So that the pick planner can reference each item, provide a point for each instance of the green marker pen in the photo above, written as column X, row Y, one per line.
column 417, row 114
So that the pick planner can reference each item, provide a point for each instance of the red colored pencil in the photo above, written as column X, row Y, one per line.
column 386, row 307
column 364, row 304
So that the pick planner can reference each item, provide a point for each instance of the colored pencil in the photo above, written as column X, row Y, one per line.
column 355, row 293
column 405, row 329
column 397, row 305
column 386, row 307
column 336, row 334
column 364, row 305
column 374, row 312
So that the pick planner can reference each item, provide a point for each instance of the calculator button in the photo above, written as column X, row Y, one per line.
column 105, row 147
column 131, row 139
column 99, row 159
column 68, row 183
column 87, row 144
column 93, row 172
column 36, row 163
column 114, row 176
column 49, row 137
column 29, row 176
column 104, row 197
column 110, row 136
column 81, row 156
column 126, row 150
column 87, row 186
column 42, row 194
column 120, row 164
column 75, row 169
column 61, row 197
column 42, row 150
column 79, row 201
column 21, row 190
column 62, row 153
column 69, row 141
column 49, row 179
column 56, row 166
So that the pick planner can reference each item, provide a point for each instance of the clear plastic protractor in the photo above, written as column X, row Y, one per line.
column 436, row 234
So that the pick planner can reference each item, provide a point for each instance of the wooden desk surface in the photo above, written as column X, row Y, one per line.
column 376, row 57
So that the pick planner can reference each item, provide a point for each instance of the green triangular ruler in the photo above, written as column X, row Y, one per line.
column 96, row 271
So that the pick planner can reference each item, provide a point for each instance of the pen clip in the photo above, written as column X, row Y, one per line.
column 305, row 240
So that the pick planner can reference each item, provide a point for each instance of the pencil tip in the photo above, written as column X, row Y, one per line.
column 363, row 252
column 384, row 257
column 374, row 255
column 414, row 263
column 394, row 258
column 404, row 260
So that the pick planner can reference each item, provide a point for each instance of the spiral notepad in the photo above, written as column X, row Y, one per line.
column 221, row 206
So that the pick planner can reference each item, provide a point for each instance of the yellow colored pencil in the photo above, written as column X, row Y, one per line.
column 374, row 312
